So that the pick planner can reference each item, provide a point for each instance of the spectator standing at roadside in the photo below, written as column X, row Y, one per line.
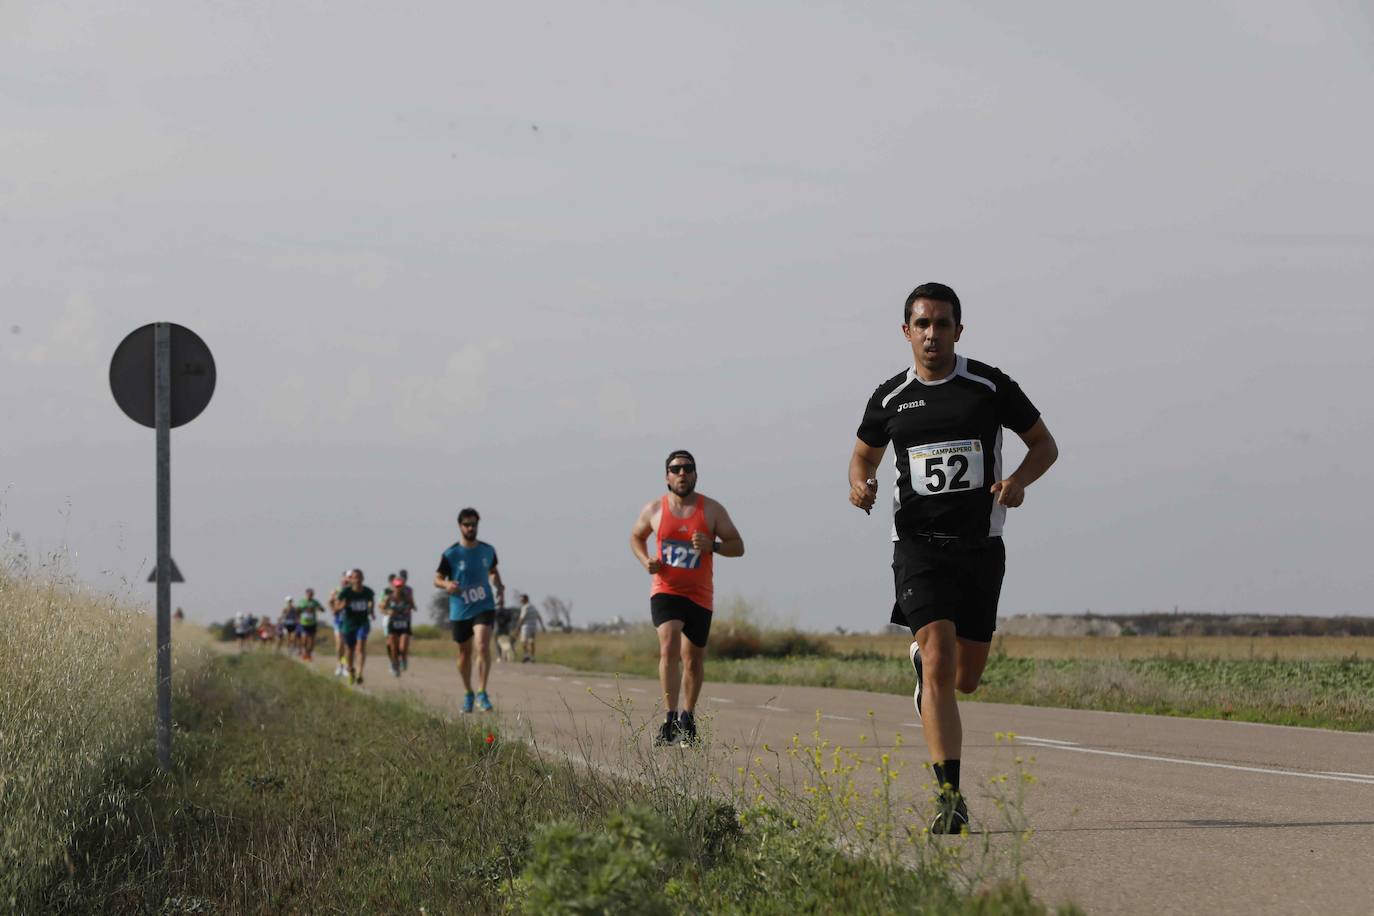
column 529, row 624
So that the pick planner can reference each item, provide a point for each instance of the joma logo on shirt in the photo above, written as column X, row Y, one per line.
column 902, row 407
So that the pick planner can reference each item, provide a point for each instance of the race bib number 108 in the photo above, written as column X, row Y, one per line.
column 946, row 467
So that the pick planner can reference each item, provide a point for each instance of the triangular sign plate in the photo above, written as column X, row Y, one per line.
column 176, row 573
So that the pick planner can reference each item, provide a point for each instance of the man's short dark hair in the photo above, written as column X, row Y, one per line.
column 680, row 453
column 936, row 292
column 468, row 513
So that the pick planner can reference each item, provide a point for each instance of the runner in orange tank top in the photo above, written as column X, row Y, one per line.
column 692, row 529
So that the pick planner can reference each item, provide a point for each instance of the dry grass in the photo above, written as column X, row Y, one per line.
column 1237, row 648
column 1319, row 681
column 1325, row 682
column 1201, row 648
column 76, row 675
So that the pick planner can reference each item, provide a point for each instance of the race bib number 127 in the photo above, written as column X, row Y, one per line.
column 946, row 467
column 679, row 555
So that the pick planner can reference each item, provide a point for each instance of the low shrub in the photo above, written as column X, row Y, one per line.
column 739, row 633
column 620, row 866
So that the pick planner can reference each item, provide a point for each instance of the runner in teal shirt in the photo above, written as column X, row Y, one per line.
column 467, row 571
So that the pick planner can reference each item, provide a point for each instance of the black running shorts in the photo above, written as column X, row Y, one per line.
column 462, row 629
column 696, row 620
column 958, row 580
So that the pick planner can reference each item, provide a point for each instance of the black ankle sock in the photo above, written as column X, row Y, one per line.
column 672, row 715
column 947, row 773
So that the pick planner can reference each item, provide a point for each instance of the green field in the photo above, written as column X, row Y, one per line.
column 295, row 794
column 1325, row 682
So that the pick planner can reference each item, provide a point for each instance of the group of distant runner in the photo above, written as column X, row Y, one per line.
column 943, row 416
column 355, row 608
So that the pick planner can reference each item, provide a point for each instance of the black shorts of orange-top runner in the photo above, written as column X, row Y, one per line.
column 696, row 620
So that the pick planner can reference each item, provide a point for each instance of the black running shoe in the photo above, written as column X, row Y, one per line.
column 915, row 653
column 686, row 730
column 951, row 816
column 667, row 734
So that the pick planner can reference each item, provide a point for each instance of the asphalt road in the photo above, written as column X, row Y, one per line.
column 1131, row 814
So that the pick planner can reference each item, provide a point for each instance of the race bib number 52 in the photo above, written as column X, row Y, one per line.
column 946, row 467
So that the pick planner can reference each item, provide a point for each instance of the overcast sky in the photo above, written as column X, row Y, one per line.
column 510, row 255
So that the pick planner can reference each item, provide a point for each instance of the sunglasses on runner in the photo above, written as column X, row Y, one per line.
column 682, row 469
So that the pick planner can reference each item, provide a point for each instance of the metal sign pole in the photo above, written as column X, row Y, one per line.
column 162, row 346
column 144, row 352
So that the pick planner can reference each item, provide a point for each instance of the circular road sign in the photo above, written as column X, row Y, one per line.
column 132, row 375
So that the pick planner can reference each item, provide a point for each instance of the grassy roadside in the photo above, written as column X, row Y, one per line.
column 1308, row 681
column 77, row 681
column 293, row 794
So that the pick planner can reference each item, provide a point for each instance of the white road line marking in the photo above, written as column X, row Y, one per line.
column 912, row 724
column 773, row 708
column 719, row 700
column 826, row 715
column 1021, row 737
column 604, row 686
column 1356, row 775
column 636, row 690
column 1267, row 771
column 580, row 683
column 550, row 677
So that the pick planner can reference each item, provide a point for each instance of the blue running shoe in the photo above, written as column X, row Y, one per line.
column 483, row 701
column 467, row 701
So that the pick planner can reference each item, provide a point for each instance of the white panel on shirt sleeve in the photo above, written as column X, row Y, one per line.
column 962, row 369
column 910, row 374
column 998, row 516
column 896, row 492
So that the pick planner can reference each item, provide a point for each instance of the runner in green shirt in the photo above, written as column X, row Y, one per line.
column 356, row 604
column 309, row 610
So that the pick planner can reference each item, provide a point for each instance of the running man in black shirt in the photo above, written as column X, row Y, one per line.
column 944, row 417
